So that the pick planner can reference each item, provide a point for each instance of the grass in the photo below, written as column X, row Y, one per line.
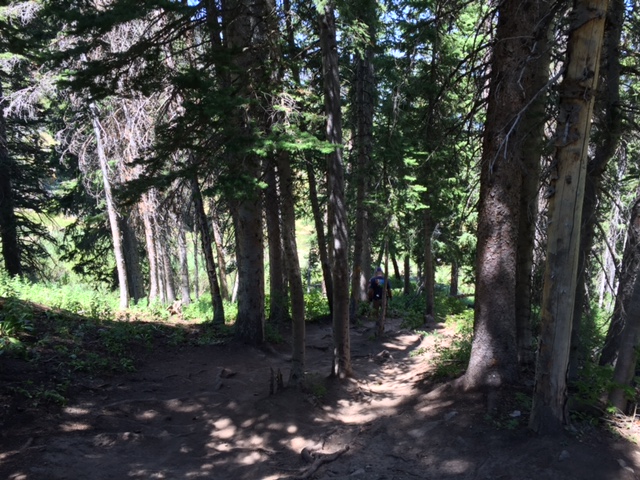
column 51, row 336
column 54, row 334
column 452, row 358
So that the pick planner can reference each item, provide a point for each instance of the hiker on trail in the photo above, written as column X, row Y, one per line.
column 376, row 289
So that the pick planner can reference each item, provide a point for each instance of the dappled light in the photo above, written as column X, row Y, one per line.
column 206, row 412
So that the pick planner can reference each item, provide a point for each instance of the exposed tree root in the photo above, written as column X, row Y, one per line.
column 317, row 460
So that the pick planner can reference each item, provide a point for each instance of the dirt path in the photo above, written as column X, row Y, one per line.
column 207, row 412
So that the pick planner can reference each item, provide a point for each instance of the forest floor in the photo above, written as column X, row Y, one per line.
column 194, row 411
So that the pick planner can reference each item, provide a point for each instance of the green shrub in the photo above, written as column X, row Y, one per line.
column 452, row 360
column 315, row 305
column 15, row 319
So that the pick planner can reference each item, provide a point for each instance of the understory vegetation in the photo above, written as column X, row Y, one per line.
column 68, row 334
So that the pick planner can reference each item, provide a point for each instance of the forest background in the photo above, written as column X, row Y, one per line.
column 172, row 151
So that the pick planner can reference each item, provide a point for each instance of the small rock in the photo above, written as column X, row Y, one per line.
column 624, row 466
column 358, row 472
column 383, row 356
column 515, row 414
column 450, row 415
column 226, row 373
column 564, row 455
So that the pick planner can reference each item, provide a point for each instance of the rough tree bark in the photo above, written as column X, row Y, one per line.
column 493, row 359
column 246, row 33
column 341, row 365
column 577, row 91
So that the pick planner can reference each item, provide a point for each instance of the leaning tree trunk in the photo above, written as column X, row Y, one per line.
column 608, row 123
column 8, row 221
column 205, row 237
column 116, row 234
column 577, row 91
column 341, row 366
column 629, row 271
column 217, row 240
column 625, row 369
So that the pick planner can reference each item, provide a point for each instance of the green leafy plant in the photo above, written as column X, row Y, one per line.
column 451, row 360
column 15, row 319
column 315, row 305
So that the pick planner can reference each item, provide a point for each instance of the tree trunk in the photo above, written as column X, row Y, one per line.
column 8, row 222
column 394, row 262
column 549, row 410
column 205, row 237
column 533, row 143
column 494, row 353
column 629, row 271
column 247, row 33
column 147, row 211
column 429, row 270
column 364, row 106
column 132, row 260
column 167, row 269
column 625, row 369
column 337, row 217
column 293, row 270
column 320, row 233
column 380, row 321
column 278, row 308
column 249, row 325
column 217, row 238
column 196, row 265
column 183, row 258
column 407, row 275
column 116, row 234
column 608, row 123
column 455, row 275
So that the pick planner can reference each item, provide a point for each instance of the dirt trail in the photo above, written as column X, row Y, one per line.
column 207, row 412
